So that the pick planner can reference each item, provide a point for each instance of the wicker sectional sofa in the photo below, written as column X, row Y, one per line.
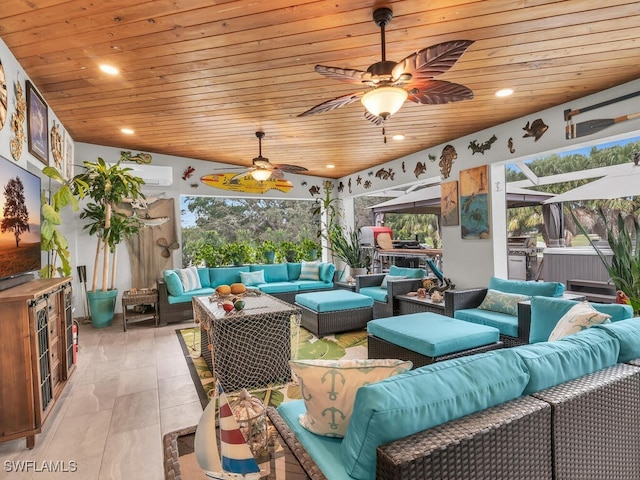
column 559, row 410
column 282, row 280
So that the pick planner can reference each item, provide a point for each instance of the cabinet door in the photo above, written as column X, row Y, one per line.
column 66, row 335
column 43, row 361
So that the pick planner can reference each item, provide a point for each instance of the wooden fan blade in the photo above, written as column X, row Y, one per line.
column 333, row 104
column 162, row 242
column 174, row 246
column 431, row 61
column 375, row 119
column 290, row 168
column 165, row 253
column 437, row 92
column 347, row 75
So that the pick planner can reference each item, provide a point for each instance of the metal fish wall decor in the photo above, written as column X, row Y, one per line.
column 536, row 130
column 482, row 147
column 447, row 158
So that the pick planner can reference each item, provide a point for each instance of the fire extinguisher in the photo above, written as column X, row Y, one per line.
column 74, row 330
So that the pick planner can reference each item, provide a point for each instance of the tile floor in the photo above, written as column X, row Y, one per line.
column 128, row 390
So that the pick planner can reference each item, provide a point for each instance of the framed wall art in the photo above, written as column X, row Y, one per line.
column 449, row 203
column 37, row 125
column 474, row 203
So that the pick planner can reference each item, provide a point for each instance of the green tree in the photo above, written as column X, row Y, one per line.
column 15, row 215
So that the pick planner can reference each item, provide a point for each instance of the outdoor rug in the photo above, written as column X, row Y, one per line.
column 307, row 346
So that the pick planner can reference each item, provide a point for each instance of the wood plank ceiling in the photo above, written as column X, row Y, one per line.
column 198, row 78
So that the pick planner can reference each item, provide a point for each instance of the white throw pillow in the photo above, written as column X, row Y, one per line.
column 309, row 271
column 252, row 278
column 189, row 278
column 580, row 317
column 390, row 278
column 502, row 302
column 329, row 389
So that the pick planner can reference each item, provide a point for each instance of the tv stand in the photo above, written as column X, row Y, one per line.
column 15, row 281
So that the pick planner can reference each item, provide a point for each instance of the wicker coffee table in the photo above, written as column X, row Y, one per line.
column 180, row 460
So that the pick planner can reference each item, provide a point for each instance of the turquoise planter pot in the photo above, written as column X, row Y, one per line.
column 102, row 305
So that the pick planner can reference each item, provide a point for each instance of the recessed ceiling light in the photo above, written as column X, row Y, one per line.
column 331, row 165
column 504, row 92
column 109, row 69
column 398, row 136
column 127, row 131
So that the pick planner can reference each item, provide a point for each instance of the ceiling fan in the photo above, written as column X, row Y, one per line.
column 262, row 169
column 391, row 83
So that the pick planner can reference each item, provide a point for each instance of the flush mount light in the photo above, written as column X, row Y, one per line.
column 109, row 69
column 127, row 131
column 331, row 165
column 398, row 137
column 504, row 92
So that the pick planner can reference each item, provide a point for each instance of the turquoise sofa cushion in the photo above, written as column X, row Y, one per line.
column 627, row 332
column 431, row 334
column 276, row 272
column 312, row 285
column 174, row 284
column 377, row 293
column 543, row 289
column 226, row 275
column 395, row 271
column 205, row 278
column 326, row 272
column 278, row 287
column 552, row 363
column 294, row 270
column 333, row 300
column 423, row 398
column 507, row 324
column 186, row 296
column 325, row 451
column 546, row 312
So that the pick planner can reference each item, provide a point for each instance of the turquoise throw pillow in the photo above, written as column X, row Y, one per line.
column 407, row 272
column 326, row 272
column 501, row 302
column 174, row 285
column 252, row 278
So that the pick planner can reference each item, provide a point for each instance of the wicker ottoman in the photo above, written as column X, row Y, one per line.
column 425, row 338
column 334, row 311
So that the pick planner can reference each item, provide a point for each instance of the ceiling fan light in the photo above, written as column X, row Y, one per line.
column 261, row 174
column 384, row 101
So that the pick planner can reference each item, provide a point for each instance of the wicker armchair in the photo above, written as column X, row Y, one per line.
column 395, row 287
column 171, row 312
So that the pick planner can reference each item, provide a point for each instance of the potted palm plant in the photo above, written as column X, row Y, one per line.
column 106, row 186
column 345, row 244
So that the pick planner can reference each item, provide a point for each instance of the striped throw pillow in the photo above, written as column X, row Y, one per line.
column 310, row 271
column 189, row 278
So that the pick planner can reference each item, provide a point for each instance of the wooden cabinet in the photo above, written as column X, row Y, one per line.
column 36, row 354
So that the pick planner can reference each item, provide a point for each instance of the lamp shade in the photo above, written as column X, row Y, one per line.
column 261, row 174
column 384, row 101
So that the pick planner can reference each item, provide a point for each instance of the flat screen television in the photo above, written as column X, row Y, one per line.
column 19, row 221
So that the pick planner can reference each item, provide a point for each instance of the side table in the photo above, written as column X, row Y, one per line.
column 131, row 298
column 408, row 304
column 345, row 286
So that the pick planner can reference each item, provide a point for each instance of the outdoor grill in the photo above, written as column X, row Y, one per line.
column 523, row 258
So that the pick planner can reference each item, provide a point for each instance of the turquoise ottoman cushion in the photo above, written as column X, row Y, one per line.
column 552, row 363
column 507, row 324
column 546, row 312
column 431, row 334
column 325, row 451
column 333, row 300
column 377, row 293
column 425, row 397
column 544, row 289
column 627, row 332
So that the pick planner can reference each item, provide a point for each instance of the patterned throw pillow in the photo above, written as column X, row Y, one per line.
column 189, row 278
column 329, row 389
column 310, row 271
column 580, row 317
column 502, row 302
column 252, row 278
column 390, row 278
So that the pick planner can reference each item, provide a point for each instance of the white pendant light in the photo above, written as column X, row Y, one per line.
column 261, row 174
column 384, row 101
